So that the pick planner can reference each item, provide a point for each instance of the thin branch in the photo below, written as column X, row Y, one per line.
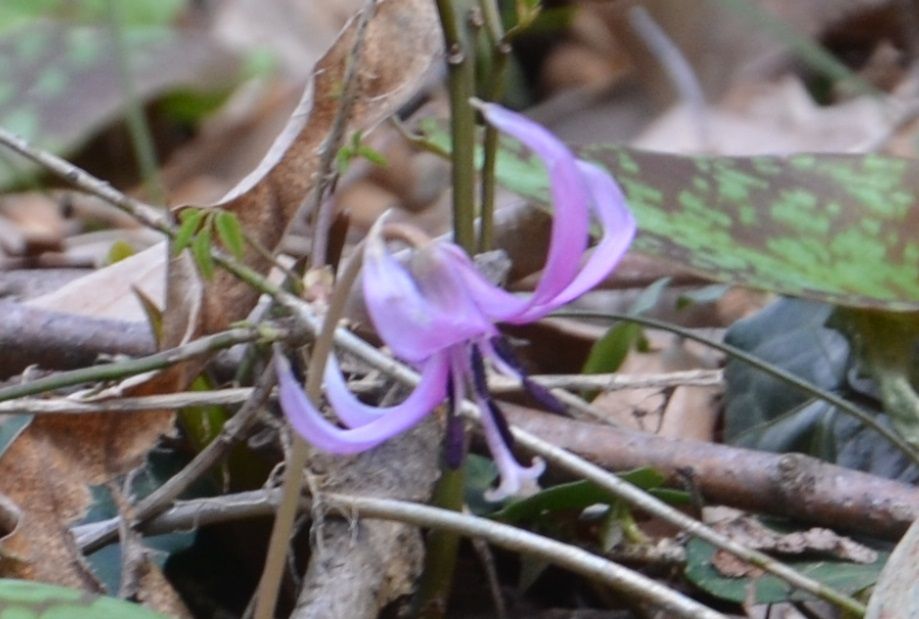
column 270, row 582
column 58, row 341
column 190, row 514
column 144, row 213
column 330, row 146
column 131, row 367
column 232, row 432
column 497, row 385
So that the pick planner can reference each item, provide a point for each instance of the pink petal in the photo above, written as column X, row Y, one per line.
column 514, row 479
column 569, row 193
column 618, row 225
column 419, row 314
column 315, row 429
column 430, row 392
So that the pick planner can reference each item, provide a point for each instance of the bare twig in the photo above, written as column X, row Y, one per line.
column 144, row 213
column 497, row 384
column 789, row 485
column 131, row 367
column 188, row 514
column 54, row 340
column 322, row 222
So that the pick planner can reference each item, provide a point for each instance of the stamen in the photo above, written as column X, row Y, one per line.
column 504, row 357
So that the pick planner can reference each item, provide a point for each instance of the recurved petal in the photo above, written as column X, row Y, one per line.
column 430, row 392
column 315, row 429
column 569, row 192
column 618, row 225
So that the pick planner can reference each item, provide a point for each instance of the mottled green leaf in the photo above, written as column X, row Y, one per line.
column 22, row 599
column 59, row 80
column 845, row 577
column 230, row 233
column 837, row 228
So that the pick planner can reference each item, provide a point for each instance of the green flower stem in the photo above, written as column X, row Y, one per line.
column 462, row 123
column 776, row 372
column 270, row 582
column 131, row 367
column 500, row 52
column 443, row 545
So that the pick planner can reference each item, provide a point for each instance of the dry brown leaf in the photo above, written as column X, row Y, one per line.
column 401, row 44
column 47, row 469
column 750, row 532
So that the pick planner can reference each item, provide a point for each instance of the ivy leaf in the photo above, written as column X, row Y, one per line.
column 230, row 233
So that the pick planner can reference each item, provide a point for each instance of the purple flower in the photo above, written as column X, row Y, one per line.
column 439, row 314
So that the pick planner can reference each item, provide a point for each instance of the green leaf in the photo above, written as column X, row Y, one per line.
column 762, row 413
column 230, row 233
column 842, row 576
column 372, row 155
column 608, row 353
column 576, row 495
column 24, row 598
column 201, row 250
column 886, row 344
column 190, row 219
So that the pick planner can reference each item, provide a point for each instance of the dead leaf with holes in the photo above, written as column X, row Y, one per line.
column 46, row 471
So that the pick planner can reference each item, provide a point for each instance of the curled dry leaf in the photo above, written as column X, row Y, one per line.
column 48, row 468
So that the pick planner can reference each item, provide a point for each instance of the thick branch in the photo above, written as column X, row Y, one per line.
column 791, row 485
column 54, row 340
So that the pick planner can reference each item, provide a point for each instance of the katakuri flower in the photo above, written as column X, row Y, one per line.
column 440, row 315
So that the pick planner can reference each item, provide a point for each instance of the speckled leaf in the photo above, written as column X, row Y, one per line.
column 59, row 81
column 23, row 598
column 838, row 228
